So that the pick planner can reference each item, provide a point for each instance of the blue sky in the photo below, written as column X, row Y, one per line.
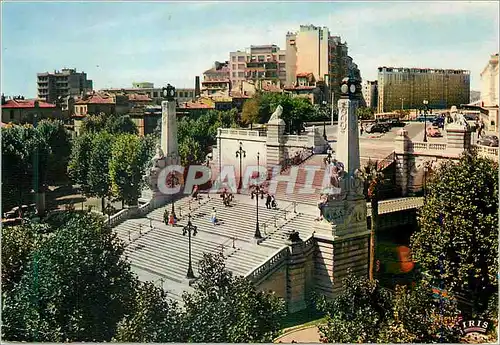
column 117, row 43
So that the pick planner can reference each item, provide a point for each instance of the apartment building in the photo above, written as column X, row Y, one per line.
column 313, row 50
column 257, row 62
column 370, row 93
column 216, row 80
column 62, row 85
column 408, row 87
column 155, row 93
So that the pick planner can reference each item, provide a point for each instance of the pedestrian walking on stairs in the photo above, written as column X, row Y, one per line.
column 213, row 219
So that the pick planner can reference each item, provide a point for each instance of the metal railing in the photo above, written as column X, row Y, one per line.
column 387, row 161
column 299, row 157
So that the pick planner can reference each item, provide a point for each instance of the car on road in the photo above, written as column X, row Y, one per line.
column 438, row 122
column 428, row 118
column 433, row 132
column 376, row 128
column 488, row 140
column 397, row 123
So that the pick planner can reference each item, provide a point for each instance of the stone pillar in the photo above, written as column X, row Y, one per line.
column 296, row 275
column 458, row 137
column 169, row 129
column 274, row 141
column 401, row 143
column 315, row 139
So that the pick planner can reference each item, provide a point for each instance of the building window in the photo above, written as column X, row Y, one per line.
column 155, row 94
column 241, row 59
column 234, row 74
column 234, row 65
column 12, row 114
column 261, row 58
column 241, row 74
column 233, row 58
column 241, row 66
column 282, row 57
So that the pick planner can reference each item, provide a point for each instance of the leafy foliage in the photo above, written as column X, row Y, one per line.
column 154, row 318
column 365, row 113
column 126, row 167
column 93, row 124
column 120, row 125
column 76, row 288
column 357, row 314
column 224, row 308
column 364, row 312
column 99, row 183
column 250, row 111
column 460, row 221
column 79, row 164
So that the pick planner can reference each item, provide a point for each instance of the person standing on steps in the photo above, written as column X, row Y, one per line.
column 268, row 201
column 172, row 220
column 213, row 219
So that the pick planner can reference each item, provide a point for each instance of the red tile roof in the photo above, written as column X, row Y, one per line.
column 300, row 88
column 26, row 103
column 195, row 105
column 138, row 97
column 215, row 81
column 304, row 74
column 97, row 99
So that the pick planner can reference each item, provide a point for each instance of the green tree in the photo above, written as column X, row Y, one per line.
column 123, row 124
column 93, row 124
column 224, row 308
column 77, row 287
column 418, row 317
column 250, row 112
column 126, row 167
column 17, row 244
column 79, row 163
column 357, row 314
column 190, row 152
column 365, row 113
column 154, row 318
column 460, row 221
column 98, row 172
column 58, row 140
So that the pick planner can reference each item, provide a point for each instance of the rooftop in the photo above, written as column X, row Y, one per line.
column 96, row 98
column 26, row 103
column 195, row 105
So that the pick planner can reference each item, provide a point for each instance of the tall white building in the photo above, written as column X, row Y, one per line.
column 370, row 93
column 489, row 83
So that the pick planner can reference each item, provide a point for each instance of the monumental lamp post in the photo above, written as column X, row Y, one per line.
column 426, row 107
column 255, row 193
column 190, row 229
column 240, row 154
column 169, row 92
column 324, row 121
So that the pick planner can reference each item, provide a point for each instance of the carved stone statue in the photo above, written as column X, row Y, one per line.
column 159, row 155
column 277, row 113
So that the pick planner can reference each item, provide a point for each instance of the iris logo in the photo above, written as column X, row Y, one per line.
column 472, row 326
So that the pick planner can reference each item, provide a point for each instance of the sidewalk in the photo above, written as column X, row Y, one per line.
column 304, row 335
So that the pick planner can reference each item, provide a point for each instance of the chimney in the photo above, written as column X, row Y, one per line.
column 197, row 86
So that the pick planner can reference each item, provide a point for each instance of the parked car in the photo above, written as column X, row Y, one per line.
column 438, row 122
column 397, row 123
column 428, row 118
column 433, row 132
column 376, row 128
column 488, row 140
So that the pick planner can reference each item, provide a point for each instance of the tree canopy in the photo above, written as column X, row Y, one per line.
column 460, row 223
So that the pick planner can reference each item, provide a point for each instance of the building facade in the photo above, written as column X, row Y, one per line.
column 370, row 93
column 489, row 83
column 216, row 80
column 257, row 62
column 313, row 50
column 182, row 94
column 62, row 84
column 407, row 88
column 18, row 110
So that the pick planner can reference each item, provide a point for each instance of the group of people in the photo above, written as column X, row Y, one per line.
column 226, row 197
column 271, row 202
column 169, row 219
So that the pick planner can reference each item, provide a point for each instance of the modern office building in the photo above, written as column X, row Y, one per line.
column 313, row 50
column 407, row 88
column 257, row 62
column 60, row 85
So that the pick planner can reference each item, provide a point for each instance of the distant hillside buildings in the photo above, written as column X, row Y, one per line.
column 408, row 87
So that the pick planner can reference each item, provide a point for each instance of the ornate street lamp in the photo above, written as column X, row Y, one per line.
column 256, row 192
column 324, row 121
column 329, row 155
column 173, row 182
column 240, row 154
column 426, row 107
column 190, row 229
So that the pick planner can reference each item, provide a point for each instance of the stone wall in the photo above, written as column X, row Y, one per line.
column 276, row 283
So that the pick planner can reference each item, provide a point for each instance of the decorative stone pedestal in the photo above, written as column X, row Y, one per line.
column 458, row 137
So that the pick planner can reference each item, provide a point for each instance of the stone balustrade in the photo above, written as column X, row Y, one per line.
column 488, row 152
column 231, row 132
column 425, row 146
column 119, row 217
column 296, row 140
column 275, row 260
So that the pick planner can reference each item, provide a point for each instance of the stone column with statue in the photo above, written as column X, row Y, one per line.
column 343, row 231
column 166, row 151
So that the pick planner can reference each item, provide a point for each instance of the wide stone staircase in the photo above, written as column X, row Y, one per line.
column 159, row 252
